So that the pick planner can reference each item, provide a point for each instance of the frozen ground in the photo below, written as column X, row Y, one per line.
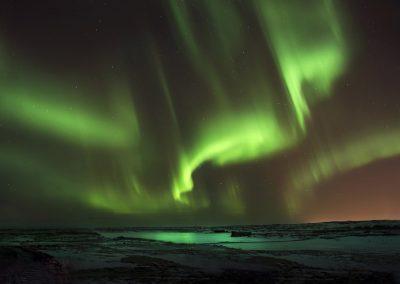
column 337, row 252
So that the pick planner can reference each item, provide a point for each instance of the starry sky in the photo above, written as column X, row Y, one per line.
column 198, row 112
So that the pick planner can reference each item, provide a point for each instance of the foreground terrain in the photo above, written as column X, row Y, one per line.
column 336, row 252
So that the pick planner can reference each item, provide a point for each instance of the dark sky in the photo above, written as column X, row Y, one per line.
column 198, row 112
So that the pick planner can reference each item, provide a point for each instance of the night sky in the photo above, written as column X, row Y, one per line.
column 149, row 113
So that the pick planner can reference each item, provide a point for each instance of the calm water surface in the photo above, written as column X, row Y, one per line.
column 183, row 237
column 351, row 243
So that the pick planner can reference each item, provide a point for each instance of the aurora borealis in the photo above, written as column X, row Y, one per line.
column 198, row 112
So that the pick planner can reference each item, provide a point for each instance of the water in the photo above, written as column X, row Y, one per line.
column 351, row 243
column 375, row 244
column 184, row 237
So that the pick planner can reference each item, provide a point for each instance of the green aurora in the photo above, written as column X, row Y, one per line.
column 250, row 75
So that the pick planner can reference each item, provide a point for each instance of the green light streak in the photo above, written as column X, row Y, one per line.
column 134, row 201
column 126, row 198
column 336, row 159
column 53, row 182
column 70, row 120
column 232, row 139
column 231, row 198
column 226, row 42
column 309, row 48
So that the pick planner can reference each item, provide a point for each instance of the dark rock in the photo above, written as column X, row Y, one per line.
column 24, row 265
column 144, row 269
column 240, row 234
column 147, row 261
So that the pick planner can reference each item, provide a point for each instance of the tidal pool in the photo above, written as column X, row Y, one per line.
column 184, row 237
column 375, row 244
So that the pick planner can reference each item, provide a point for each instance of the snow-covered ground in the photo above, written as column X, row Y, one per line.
column 337, row 251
